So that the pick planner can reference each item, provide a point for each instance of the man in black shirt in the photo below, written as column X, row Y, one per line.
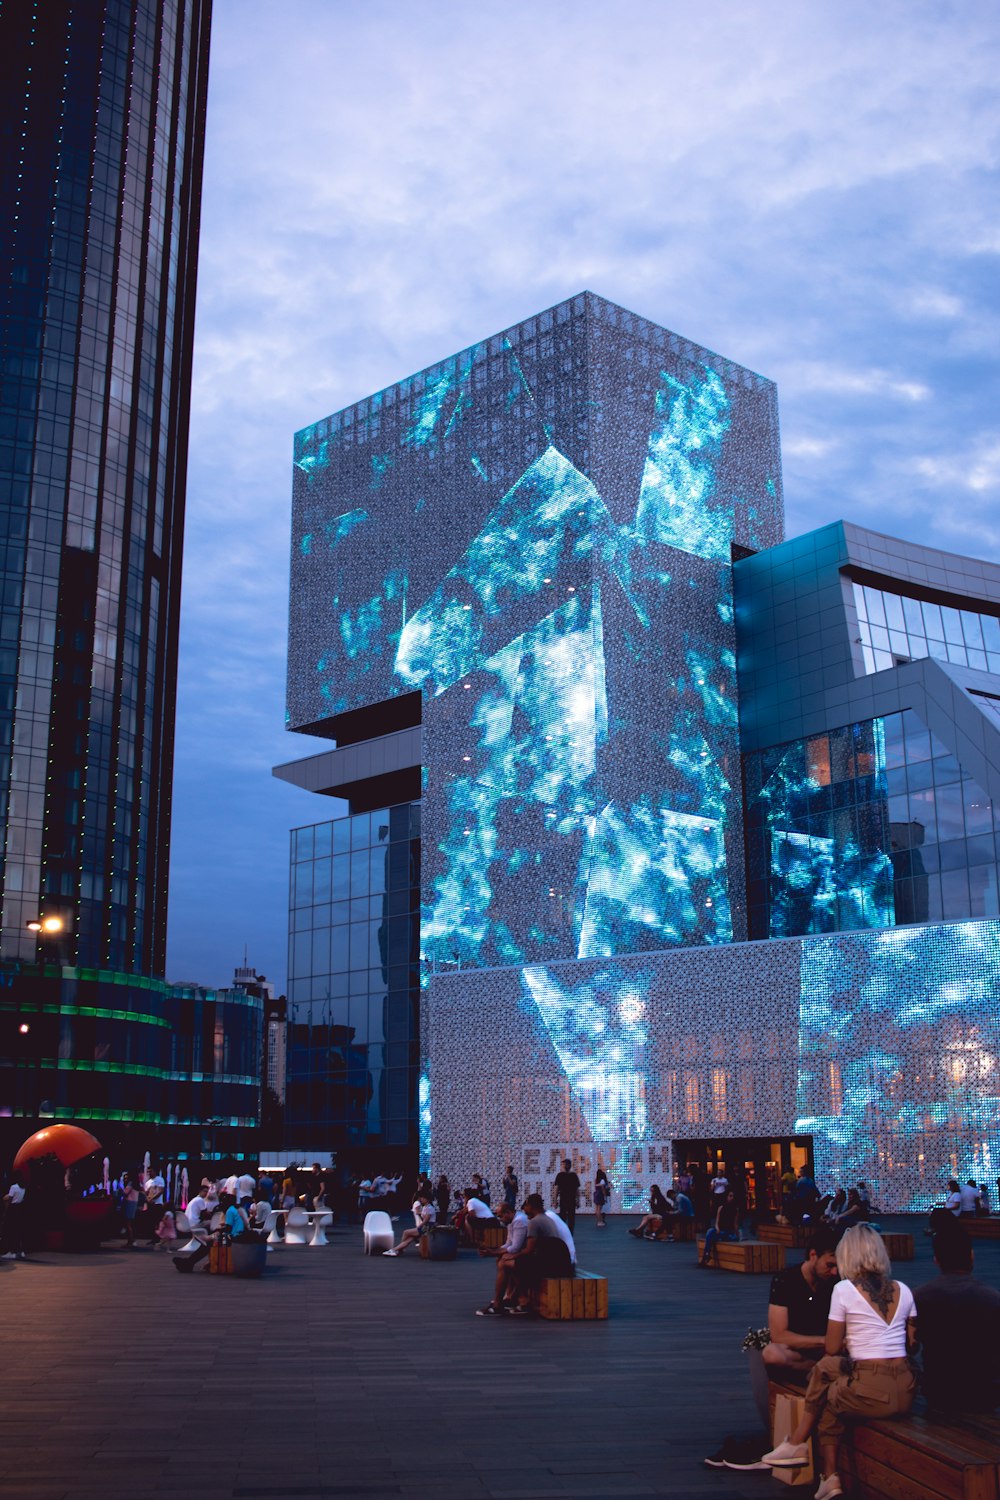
column 797, row 1314
column 799, row 1307
column 567, row 1194
column 958, row 1322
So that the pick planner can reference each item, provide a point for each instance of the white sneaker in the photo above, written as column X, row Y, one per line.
column 829, row 1487
column 390, row 1252
column 9, row 1256
column 788, row 1456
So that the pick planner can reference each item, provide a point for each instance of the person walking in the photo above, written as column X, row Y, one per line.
column 567, row 1187
column 130, row 1207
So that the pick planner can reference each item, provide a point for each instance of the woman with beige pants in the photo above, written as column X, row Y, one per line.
column 873, row 1318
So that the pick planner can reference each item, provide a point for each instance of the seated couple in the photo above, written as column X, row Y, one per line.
column 664, row 1211
column 862, row 1367
column 538, row 1245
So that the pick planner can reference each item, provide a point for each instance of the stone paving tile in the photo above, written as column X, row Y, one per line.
column 341, row 1376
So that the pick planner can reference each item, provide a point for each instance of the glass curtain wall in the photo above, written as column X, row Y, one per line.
column 895, row 629
column 871, row 825
column 354, row 988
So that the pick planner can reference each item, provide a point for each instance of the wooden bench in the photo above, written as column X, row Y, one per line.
column 488, row 1233
column 898, row 1246
column 915, row 1458
column 983, row 1229
column 683, row 1230
column 746, row 1255
column 792, row 1236
column 918, row 1459
column 573, row 1298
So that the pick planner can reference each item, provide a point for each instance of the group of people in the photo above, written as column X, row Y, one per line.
column 538, row 1242
column 235, row 1204
column 842, row 1325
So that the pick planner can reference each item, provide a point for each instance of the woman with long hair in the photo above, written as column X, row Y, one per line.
column 602, row 1192
column 725, row 1227
column 872, row 1319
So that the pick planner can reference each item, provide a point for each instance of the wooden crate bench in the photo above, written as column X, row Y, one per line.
column 985, row 1229
column 683, row 1230
column 792, row 1236
column 898, row 1246
column 917, row 1459
column 746, row 1255
column 914, row 1458
column 572, row 1298
column 487, row 1233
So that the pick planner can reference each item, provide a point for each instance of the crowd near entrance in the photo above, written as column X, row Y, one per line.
column 755, row 1164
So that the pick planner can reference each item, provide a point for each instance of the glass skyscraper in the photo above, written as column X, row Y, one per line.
column 102, row 110
column 102, row 116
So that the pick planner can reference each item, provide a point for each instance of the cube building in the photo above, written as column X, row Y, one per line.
column 667, row 839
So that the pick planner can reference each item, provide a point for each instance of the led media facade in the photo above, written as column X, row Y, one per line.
column 536, row 536
column 624, row 779
column 882, row 1046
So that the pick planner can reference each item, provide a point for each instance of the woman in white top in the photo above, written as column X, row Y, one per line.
column 873, row 1319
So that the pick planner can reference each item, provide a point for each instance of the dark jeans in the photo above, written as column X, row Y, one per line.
column 567, row 1212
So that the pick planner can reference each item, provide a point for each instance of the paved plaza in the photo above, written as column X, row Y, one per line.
column 340, row 1376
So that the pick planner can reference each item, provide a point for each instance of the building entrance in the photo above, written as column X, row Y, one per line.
column 758, row 1163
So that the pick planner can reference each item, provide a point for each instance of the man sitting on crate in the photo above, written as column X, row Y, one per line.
column 797, row 1314
column 545, row 1253
column 799, row 1307
column 477, row 1215
column 503, row 1291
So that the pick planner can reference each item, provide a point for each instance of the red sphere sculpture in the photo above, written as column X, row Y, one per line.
column 67, row 1143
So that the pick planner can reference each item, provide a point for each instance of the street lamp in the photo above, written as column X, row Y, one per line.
column 50, row 926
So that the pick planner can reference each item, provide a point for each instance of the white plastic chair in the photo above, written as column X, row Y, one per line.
column 321, row 1223
column 271, row 1225
column 296, row 1227
column 378, row 1232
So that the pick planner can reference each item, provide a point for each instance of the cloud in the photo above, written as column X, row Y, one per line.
column 977, row 472
column 806, row 447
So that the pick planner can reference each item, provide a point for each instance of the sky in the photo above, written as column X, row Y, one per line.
column 810, row 189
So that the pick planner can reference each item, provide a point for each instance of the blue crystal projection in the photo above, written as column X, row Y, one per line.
column 599, row 1028
column 899, row 1047
column 576, row 650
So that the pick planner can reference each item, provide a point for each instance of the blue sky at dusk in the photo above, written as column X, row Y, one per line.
column 809, row 189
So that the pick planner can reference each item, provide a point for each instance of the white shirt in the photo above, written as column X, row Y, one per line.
column 868, row 1335
column 517, row 1233
column 195, row 1209
column 428, row 1214
column 478, row 1209
column 15, row 1193
column 149, row 1188
column 231, row 1186
column 246, row 1185
column 954, row 1202
column 720, row 1185
column 564, row 1233
column 969, row 1199
column 416, row 1208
